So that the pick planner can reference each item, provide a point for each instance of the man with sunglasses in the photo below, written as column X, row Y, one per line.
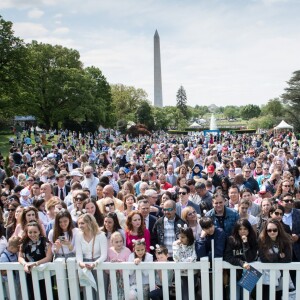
column 183, row 195
column 250, row 182
column 291, row 217
column 166, row 231
column 90, row 181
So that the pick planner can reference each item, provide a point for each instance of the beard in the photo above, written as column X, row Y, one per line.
column 90, row 180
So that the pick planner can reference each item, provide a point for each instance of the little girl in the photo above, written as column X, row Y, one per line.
column 139, row 255
column 161, row 253
column 118, row 253
column 184, row 251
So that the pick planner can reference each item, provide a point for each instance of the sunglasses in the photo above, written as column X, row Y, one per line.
column 168, row 209
column 78, row 199
column 277, row 213
column 109, row 204
column 288, row 201
column 10, row 209
column 272, row 230
column 286, row 185
column 121, row 174
column 182, row 193
column 87, row 173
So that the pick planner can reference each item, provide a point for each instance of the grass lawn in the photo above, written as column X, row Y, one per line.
column 4, row 144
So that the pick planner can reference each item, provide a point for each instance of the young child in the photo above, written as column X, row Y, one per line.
column 10, row 255
column 161, row 253
column 184, row 251
column 139, row 255
column 118, row 253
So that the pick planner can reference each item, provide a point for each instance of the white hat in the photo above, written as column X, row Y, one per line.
column 25, row 192
column 107, row 173
column 75, row 173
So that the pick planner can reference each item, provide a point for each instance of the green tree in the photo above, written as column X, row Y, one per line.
column 13, row 70
column 162, row 118
column 274, row 107
column 126, row 100
column 181, row 102
column 101, row 106
column 291, row 98
column 144, row 114
column 59, row 87
column 249, row 111
column 231, row 112
column 264, row 122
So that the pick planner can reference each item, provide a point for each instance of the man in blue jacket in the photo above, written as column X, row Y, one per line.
column 222, row 217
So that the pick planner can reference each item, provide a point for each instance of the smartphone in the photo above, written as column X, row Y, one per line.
column 62, row 238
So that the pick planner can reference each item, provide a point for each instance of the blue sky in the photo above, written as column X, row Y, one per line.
column 230, row 52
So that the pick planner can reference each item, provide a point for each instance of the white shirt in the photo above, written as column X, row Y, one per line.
column 287, row 219
column 85, row 250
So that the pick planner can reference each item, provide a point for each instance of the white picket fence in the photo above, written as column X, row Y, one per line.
column 68, row 283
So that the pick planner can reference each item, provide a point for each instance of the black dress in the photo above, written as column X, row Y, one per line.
column 34, row 252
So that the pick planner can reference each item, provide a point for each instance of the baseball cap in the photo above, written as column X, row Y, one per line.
column 210, row 169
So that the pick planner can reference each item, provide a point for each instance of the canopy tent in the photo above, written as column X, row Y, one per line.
column 283, row 125
column 195, row 125
column 202, row 121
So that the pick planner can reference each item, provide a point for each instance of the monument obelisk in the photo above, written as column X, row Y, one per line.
column 158, row 101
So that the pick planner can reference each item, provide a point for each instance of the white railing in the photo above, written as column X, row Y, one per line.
column 220, row 265
column 68, row 284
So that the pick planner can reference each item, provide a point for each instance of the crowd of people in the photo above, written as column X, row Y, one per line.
column 109, row 198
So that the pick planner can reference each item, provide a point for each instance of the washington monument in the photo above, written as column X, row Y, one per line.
column 158, row 101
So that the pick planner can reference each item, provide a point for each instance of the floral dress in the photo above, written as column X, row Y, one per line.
column 114, row 256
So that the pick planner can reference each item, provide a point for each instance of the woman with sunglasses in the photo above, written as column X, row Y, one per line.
column 78, row 205
column 108, row 205
column 10, row 229
column 122, row 177
column 283, row 187
column 189, row 215
column 276, row 212
column 274, row 246
column 10, row 219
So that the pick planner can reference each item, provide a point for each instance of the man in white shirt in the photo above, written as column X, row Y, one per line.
column 90, row 181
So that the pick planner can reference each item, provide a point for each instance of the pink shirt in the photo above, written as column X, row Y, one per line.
column 130, row 237
column 115, row 256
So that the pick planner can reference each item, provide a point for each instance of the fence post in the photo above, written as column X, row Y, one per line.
column 73, row 278
column 218, row 274
column 61, row 278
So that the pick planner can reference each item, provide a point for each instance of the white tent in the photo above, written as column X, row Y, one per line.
column 195, row 125
column 202, row 121
column 283, row 125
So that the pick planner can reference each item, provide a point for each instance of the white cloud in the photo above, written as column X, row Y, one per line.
column 222, row 52
column 29, row 30
column 61, row 30
column 35, row 13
